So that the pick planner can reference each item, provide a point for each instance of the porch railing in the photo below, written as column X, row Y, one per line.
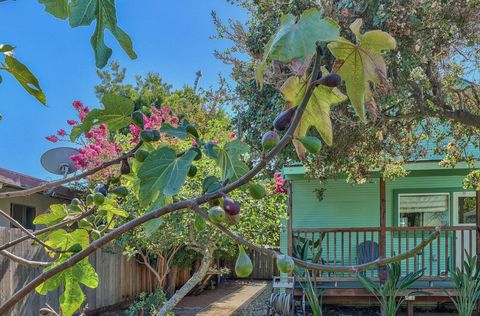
column 351, row 246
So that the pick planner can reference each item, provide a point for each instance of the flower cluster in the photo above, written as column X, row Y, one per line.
column 156, row 119
column 279, row 183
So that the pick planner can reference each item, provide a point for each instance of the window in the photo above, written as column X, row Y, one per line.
column 467, row 211
column 23, row 214
column 425, row 209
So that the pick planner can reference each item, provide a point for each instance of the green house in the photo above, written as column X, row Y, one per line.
column 353, row 224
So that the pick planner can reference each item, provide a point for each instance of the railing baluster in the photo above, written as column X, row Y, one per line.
column 328, row 250
column 356, row 248
column 415, row 266
column 438, row 256
column 454, row 246
column 335, row 252
column 447, row 267
column 407, row 237
column 372, row 251
column 462, row 241
column 431, row 256
column 470, row 242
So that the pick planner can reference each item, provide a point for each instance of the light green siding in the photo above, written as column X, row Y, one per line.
column 345, row 206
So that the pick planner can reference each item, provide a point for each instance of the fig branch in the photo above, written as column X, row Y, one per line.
column 322, row 267
column 117, row 232
column 80, row 176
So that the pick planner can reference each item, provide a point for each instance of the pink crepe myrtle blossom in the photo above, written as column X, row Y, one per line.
column 72, row 122
column 279, row 183
column 52, row 138
column 61, row 132
column 154, row 121
column 232, row 135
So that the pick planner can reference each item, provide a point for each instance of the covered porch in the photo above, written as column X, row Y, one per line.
column 411, row 217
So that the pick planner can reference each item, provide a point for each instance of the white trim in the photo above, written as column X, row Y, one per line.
column 457, row 195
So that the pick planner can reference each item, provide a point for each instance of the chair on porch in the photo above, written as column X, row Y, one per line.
column 367, row 251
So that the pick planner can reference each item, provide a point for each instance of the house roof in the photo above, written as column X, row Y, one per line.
column 22, row 181
column 415, row 169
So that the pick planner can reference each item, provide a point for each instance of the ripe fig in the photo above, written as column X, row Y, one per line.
column 120, row 191
column 269, row 140
column 45, row 311
column 98, row 198
column 230, row 206
column 125, row 167
column 285, row 263
column 331, row 80
column 192, row 171
column 141, row 154
column 257, row 191
column 137, row 118
column 216, row 214
column 282, row 121
column 101, row 188
column 151, row 135
column 199, row 152
column 243, row 265
column 311, row 143
column 232, row 220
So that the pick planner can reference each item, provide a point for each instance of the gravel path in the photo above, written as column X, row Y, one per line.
column 259, row 305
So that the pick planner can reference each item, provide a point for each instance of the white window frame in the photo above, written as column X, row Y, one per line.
column 425, row 193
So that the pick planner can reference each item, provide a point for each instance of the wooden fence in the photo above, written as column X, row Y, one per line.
column 264, row 267
column 120, row 279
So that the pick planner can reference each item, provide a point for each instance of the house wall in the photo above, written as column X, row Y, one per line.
column 345, row 205
column 40, row 202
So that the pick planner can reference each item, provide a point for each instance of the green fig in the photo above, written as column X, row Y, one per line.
column 98, row 198
column 76, row 205
column 137, row 118
column 95, row 234
column 120, row 191
column 192, row 131
column 141, row 154
column 199, row 223
column 150, row 135
column 89, row 199
column 257, row 191
column 192, row 171
column 84, row 223
column 311, row 143
column 216, row 214
column 285, row 263
column 269, row 140
column 243, row 265
column 102, row 212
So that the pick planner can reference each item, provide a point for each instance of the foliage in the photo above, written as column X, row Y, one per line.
column 312, row 292
column 467, row 284
column 83, row 13
column 388, row 292
column 432, row 80
column 147, row 303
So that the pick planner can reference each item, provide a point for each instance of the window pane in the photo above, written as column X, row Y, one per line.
column 424, row 210
column 466, row 210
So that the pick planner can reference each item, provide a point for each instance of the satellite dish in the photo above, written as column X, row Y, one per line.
column 57, row 160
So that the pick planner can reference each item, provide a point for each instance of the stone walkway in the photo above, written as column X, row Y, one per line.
column 225, row 301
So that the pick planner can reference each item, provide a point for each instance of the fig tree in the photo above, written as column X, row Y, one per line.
column 125, row 167
column 269, row 140
column 141, row 154
column 257, row 191
column 75, row 248
column 285, row 263
column 243, row 265
column 282, row 121
column 89, row 199
column 232, row 219
column 84, row 223
column 192, row 131
column 216, row 214
column 150, row 135
column 192, row 171
column 98, row 198
column 199, row 223
column 230, row 206
column 120, row 191
column 95, row 234
column 331, row 80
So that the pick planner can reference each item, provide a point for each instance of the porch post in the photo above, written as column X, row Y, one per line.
column 289, row 221
column 383, row 220
column 477, row 221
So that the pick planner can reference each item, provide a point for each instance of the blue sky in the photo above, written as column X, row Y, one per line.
column 170, row 37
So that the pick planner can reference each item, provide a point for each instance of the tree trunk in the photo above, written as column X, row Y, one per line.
column 187, row 287
column 171, row 281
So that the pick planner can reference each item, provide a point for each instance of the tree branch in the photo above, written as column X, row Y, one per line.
column 57, row 183
column 23, row 261
column 20, row 294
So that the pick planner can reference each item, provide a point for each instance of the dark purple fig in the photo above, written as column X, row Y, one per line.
column 101, row 188
column 331, row 80
column 230, row 206
column 282, row 121
column 125, row 167
column 269, row 140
